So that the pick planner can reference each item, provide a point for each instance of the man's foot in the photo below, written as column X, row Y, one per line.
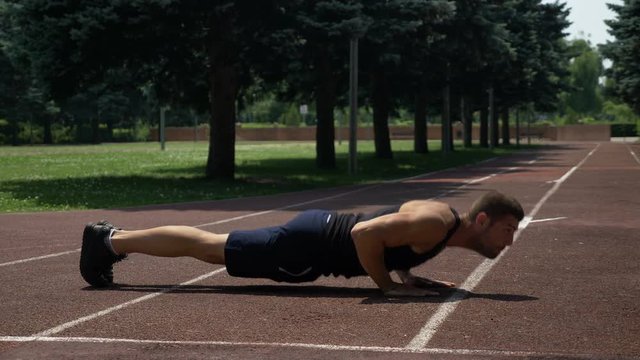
column 96, row 260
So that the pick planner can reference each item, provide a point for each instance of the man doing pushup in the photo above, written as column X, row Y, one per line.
column 320, row 242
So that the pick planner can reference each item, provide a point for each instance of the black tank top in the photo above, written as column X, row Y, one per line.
column 342, row 259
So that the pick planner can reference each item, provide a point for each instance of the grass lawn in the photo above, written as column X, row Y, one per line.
column 44, row 178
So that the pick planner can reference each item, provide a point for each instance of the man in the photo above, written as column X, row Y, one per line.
column 318, row 242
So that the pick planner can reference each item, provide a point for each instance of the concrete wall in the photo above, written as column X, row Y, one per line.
column 561, row 133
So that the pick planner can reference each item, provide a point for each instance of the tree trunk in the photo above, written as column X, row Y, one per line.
column 109, row 130
column 95, row 131
column 325, row 103
column 380, row 104
column 495, row 135
column 446, row 120
column 467, row 119
column 506, row 137
column 223, row 92
column 484, row 127
column 420, row 138
column 13, row 132
column 46, row 123
column 454, row 115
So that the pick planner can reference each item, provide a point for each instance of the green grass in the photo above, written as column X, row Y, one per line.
column 45, row 178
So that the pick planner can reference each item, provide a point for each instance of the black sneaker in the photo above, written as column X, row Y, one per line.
column 107, row 224
column 109, row 274
column 96, row 260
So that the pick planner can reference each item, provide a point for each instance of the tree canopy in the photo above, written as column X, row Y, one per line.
column 624, row 52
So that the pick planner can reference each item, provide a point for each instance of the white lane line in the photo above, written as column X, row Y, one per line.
column 473, row 181
column 633, row 154
column 39, row 258
column 383, row 349
column 291, row 206
column 73, row 323
column 360, row 190
column 548, row 219
column 449, row 305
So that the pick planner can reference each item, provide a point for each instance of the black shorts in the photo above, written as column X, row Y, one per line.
column 288, row 253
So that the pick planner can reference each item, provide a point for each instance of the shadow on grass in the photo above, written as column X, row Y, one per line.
column 134, row 192
column 254, row 178
column 113, row 192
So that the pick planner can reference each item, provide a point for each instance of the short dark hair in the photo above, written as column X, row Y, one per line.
column 496, row 205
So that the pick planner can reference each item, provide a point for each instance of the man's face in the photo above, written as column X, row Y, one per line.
column 497, row 235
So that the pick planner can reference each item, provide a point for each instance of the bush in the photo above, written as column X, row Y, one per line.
column 620, row 113
column 62, row 134
column 30, row 134
column 292, row 117
column 140, row 132
column 623, row 130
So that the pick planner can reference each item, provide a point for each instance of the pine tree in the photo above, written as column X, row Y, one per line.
column 624, row 52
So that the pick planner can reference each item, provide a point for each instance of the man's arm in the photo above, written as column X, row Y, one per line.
column 373, row 236
column 370, row 250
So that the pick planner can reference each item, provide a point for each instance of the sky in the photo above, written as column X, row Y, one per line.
column 587, row 18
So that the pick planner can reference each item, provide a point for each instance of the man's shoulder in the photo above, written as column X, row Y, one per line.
column 425, row 207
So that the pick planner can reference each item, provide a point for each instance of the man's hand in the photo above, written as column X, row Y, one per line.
column 423, row 283
column 407, row 290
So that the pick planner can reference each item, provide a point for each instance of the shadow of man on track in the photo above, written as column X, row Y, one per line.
column 369, row 295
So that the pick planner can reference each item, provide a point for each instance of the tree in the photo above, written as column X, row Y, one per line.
column 196, row 54
column 421, row 82
column 585, row 70
column 536, row 35
column 312, row 57
column 396, row 24
column 624, row 52
column 23, row 98
column 476, row 47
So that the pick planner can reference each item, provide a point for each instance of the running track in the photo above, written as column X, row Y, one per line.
column 569, row 287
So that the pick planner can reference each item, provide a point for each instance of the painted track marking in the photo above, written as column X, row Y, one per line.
column 427, row 332
column 39, row 257
column 633, row 154
column 81, row 320
column 548, row 219
column 379, row 349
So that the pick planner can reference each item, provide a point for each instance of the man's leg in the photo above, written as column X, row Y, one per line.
column 172, row 241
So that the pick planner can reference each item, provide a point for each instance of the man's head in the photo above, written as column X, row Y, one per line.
column 496, row 216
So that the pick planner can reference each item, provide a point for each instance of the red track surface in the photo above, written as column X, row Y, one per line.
column 569, row 287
